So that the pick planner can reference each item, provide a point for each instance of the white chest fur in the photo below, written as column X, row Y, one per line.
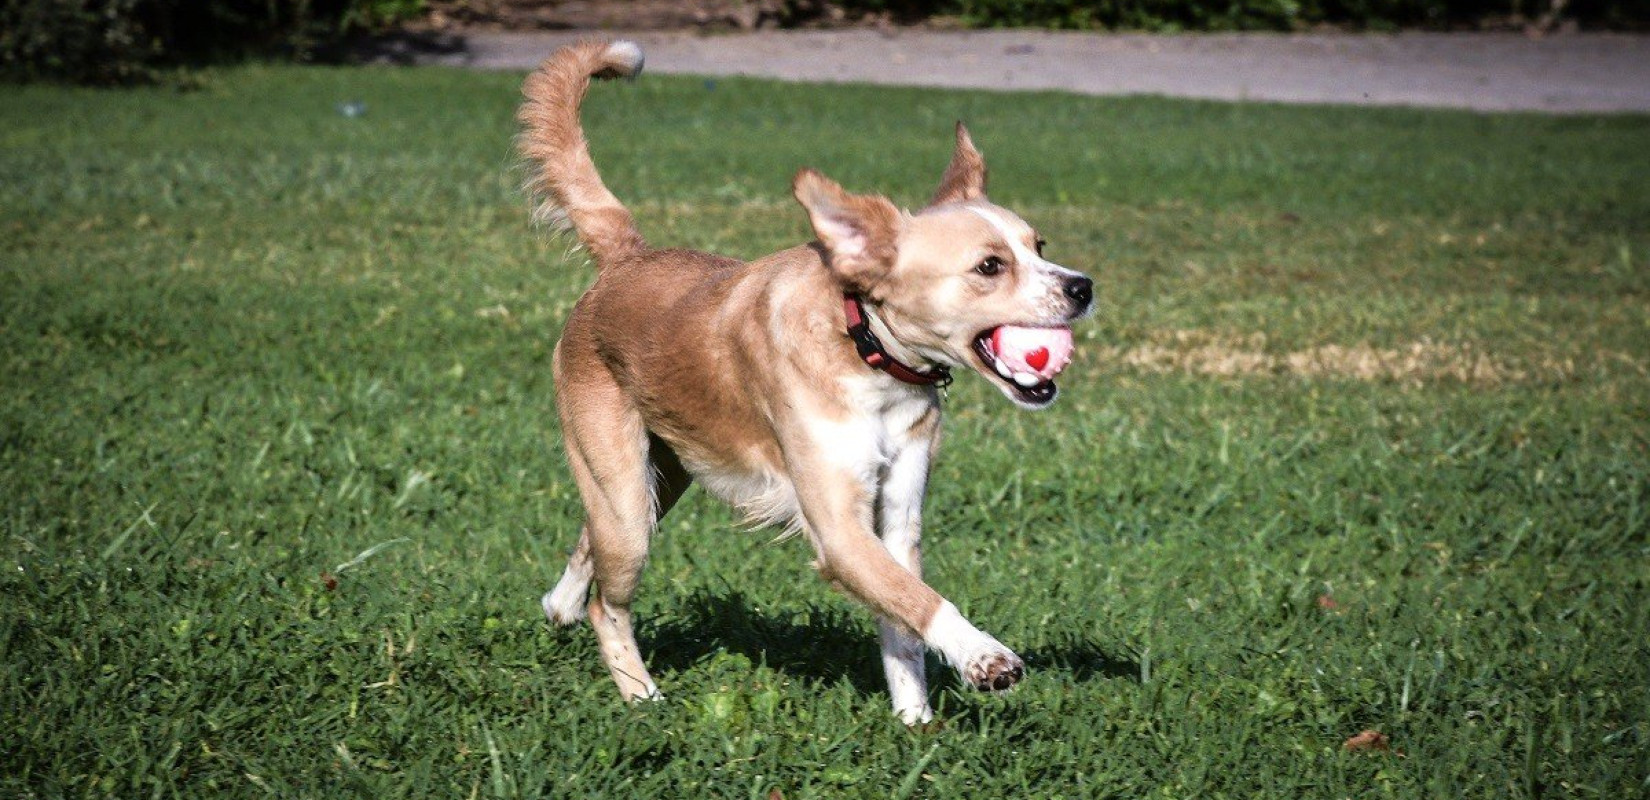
column 880, row 438
column 882, row 426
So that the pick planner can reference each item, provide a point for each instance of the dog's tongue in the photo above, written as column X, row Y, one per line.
column 1042, row 352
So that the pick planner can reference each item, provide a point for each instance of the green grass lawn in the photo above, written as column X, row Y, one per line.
column 1359, row 437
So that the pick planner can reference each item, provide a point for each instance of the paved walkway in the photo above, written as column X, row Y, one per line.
column 1492, row 72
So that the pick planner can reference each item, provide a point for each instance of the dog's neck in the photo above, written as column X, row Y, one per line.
column 909, row 365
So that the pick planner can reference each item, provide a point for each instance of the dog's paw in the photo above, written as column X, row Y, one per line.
column 563, row 607
column 915, row 715
column 982, row 661
column 994, row 671
column 649, row 694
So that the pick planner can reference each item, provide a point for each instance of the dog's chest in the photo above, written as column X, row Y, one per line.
column 899, row 415
column 883, row 425
column 885, row 420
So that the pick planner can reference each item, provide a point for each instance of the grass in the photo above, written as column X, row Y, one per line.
column 1359, row 438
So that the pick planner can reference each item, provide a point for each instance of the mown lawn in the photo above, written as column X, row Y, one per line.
column 1359, row 438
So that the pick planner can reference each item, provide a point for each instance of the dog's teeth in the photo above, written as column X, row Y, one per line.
column 1002, row 370
column 1026, row 379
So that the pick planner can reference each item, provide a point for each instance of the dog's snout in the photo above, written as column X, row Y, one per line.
column 1081, row 291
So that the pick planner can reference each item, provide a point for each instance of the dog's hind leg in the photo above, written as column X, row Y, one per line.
column 564, row 605
column 625, row 478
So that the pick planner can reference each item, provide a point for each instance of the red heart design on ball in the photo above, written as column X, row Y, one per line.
column 1037, row 359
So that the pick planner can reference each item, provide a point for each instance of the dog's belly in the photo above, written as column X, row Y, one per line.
column 763, row 496
column 723, row 441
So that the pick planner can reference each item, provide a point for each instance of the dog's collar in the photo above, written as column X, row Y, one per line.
column 873, row 353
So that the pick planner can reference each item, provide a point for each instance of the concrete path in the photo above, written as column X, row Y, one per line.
column 1491, row 72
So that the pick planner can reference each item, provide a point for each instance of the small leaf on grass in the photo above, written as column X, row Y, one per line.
column 1365, row 741
column 330, row 581
column 1328, row 603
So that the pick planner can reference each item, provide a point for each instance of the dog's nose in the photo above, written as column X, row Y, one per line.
column 1081, row 291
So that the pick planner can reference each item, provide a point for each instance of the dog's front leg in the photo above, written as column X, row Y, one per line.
column 837, row 507
column 899, row 521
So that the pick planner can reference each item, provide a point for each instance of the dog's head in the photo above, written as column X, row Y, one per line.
column 958, row 281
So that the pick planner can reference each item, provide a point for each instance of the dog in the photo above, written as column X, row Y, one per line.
column 803, row 388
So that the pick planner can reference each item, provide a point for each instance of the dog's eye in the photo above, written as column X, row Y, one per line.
column 990, row 266
column 1040, row 242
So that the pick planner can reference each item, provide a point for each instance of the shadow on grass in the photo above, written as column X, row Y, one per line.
column 1080, row 656
column 831, row 644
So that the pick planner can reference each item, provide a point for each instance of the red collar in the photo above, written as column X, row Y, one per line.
column 871, row 350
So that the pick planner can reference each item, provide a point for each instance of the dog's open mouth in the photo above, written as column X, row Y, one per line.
column 1026, row 360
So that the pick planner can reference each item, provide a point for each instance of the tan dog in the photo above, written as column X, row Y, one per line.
column 679, row 365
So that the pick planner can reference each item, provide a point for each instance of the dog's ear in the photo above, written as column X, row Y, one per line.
column 859, row 231
column 965, row 177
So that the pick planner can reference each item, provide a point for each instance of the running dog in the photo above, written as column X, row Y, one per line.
column 803, row 387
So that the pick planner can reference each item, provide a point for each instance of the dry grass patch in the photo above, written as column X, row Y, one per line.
column 1422, row 361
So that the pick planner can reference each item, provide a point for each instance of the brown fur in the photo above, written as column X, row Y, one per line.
column 552, row 138
column 679, row 365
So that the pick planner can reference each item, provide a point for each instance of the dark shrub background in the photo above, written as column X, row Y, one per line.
column 130, row 41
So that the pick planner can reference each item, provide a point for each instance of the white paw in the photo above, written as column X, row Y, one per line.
column 916, row 715
column 563, row 607
column 982, row 661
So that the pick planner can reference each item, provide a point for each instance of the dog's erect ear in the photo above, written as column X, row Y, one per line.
column 860, row 231
column 965, row 178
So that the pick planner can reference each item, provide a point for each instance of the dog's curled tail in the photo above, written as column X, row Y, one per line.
column 562, row 178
